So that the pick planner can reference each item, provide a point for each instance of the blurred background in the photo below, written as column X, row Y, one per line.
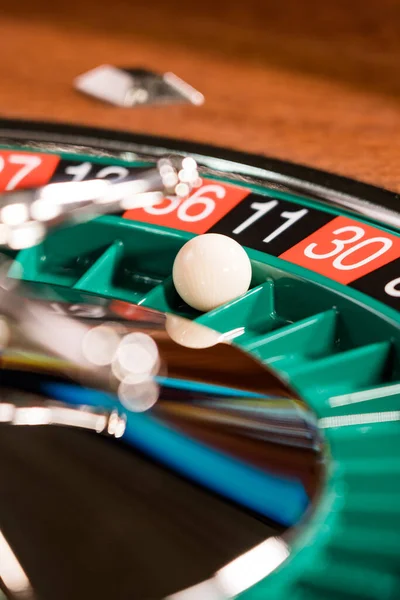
column 311, row 82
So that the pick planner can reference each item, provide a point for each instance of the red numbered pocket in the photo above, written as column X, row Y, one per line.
column 25, row 169
column 345, row 250
column 197, row 213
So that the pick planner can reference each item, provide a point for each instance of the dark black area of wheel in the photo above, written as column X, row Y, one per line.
column 107, row 522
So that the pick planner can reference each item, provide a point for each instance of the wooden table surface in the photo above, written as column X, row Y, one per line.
column 315, row 83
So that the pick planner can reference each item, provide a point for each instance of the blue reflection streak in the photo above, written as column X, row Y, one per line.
column 279, row 498
column 207, row 388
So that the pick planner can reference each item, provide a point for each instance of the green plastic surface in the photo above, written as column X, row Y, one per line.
column 338, row 348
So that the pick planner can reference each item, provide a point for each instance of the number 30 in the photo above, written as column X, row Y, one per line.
column 340, row 253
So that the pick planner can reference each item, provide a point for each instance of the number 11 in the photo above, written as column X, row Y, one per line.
column 262, row 208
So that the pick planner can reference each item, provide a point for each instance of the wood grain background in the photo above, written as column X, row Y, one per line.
column 312, row 82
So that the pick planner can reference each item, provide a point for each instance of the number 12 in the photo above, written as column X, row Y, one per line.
column 262, row 208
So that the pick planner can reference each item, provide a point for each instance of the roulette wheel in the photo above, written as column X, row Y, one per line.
column 260, row 457
column 291, row 492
